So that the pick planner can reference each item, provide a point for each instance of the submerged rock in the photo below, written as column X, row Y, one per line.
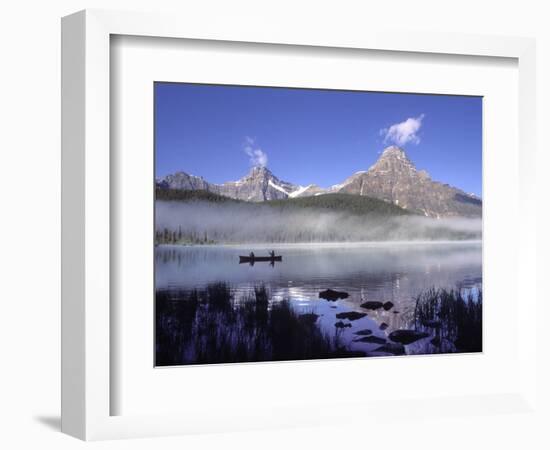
column 351, row 315
column 341, row 324
column 372, row 305
column 383, row 326
column 365, row 332
column 407, row 336
column 332, row 296
column 371, row 340
column 393, row 348
column 387, row 306
column 310, row 318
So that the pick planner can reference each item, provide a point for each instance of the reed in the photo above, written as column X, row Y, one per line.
column 456, row 319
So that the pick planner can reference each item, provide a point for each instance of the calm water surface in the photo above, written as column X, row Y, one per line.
column 395, row 272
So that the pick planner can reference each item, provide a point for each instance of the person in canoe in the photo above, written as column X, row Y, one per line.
column 251, row 255
column 272, row 253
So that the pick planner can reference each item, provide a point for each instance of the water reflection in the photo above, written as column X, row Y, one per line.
column 393, row 271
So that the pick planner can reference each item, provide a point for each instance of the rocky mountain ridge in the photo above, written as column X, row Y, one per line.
column 392, row 178
column 395, row 179
column 258, row 185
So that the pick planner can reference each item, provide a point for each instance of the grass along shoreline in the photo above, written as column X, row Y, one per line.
column 455, row 318
column 208, row 326
column 205, row 326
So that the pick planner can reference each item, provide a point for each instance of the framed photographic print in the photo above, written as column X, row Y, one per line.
column 343, row 262
column 251, row 214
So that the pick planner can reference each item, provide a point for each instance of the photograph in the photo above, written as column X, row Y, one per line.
column 297, row 223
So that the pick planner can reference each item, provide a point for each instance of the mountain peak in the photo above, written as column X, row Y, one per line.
column 393, row 159
column 259, row 170
column 395, row 151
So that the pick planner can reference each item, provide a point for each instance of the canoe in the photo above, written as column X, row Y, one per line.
column 260, row 258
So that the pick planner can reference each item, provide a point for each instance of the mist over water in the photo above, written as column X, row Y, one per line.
column 245, row 223
column 357, row 267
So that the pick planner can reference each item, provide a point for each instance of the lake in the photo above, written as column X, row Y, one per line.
column 379, row 272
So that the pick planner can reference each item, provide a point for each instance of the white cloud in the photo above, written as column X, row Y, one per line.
column 257, row 156
column 404, row 132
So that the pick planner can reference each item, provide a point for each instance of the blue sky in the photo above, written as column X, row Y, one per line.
column 309, row 136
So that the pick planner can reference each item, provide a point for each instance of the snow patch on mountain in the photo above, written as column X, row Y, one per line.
column 275, row 186
column 299, row 191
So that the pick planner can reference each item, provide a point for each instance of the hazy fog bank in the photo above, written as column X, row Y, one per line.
column 244, row 223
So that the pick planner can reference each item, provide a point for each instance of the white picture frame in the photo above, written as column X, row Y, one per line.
column 86, row 198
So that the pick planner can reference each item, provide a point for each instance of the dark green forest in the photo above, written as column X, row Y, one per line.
column 351, row 204
column 184, row 195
